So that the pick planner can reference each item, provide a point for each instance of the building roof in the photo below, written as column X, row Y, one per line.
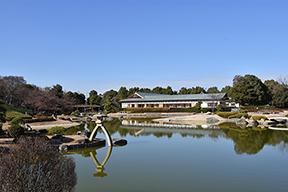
column 139, row 96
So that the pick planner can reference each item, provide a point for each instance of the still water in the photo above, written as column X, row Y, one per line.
column 159, row 159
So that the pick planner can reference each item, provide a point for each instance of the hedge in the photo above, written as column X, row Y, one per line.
column 239, row 115
column 259, row 117
column 38, row 120
column 12, row 114
column 226, row 114
column 56, row 130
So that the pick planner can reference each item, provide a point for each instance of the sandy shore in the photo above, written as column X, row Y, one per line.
column 196, row 119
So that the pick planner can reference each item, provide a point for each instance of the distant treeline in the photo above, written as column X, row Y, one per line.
column 246, row 90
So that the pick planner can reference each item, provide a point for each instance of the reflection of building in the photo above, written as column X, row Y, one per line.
column 144, row 100
column 135, row 123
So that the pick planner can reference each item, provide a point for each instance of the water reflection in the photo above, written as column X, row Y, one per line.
column 248, row 140
column 91, row 152
column 100, row 166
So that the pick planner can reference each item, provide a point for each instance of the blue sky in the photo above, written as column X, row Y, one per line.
column 105, row 44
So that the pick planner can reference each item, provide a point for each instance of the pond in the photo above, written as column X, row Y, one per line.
column 183, row 159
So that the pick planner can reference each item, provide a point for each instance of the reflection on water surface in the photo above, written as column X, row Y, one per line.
column 200, row 159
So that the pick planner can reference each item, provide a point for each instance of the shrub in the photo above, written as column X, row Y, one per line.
column 259, row 117
column 226, row 114
column 34, row 165
column 227, row 125
column 13, row 114
column 16, row 121
column 2, row 117
column 56, row 130
column 219, row 108
column 1, row 130
column 286, row 115
column 198, row 106
column 239, row 115
column 76, row 113
column 15, row 130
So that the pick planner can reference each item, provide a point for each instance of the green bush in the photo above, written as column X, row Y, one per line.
column 227, row 125
column 13, row 114
column 259, row 117
column 239, row 115
column 219, row 108
column 1, row 130
column 2, row 117
column 15, row 130
column 76, row 113
column 16, row 121
column 56, row 130
column 286, row 115
column 226, row 114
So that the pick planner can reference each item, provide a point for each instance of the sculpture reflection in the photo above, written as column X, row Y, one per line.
column 100, row 166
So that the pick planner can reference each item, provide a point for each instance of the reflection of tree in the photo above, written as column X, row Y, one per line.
column 112, row 126
column 161, row 134
column 34, row 165
column 251, row 142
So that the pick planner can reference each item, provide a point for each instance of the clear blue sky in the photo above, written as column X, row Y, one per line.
column 105, row 44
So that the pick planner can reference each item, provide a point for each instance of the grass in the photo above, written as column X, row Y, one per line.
column 12, row 112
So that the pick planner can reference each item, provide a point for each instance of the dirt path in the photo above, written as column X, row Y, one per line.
column 47, row 124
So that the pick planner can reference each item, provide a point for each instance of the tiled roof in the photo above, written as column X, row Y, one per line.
column 162, row 97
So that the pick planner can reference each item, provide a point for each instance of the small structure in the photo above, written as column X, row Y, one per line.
column 86, row 108
column 101, row 126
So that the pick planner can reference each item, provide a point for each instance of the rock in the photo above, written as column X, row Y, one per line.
column 57, row 136
column 241, row 123
column 119, row 142
column 212, row 120
column 42, row 131
column 82, row 141
column 86, row 133
column 254, row 123
column 63, row 147
column 166, row 120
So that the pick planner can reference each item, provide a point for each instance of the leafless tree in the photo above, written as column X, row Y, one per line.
column 13, row 89
column 34, row 165
column 43, row 100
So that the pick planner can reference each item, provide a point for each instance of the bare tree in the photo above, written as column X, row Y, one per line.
column 13, row 89
column 44, row 100
column 34, row 165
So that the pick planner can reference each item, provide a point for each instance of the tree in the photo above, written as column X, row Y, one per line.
column 45, row 100
column 197, row 90
column 213, row 90
column 13, row 89
column 57, row 91
column 198, row 106
column 78, row 98
column 122, row 93
column 183, row 91
column 226, row 89
column 94, row 98
column 109, row 101
column 280, row 93
column 133, row 90
column 144, row 90
column 249, row 90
